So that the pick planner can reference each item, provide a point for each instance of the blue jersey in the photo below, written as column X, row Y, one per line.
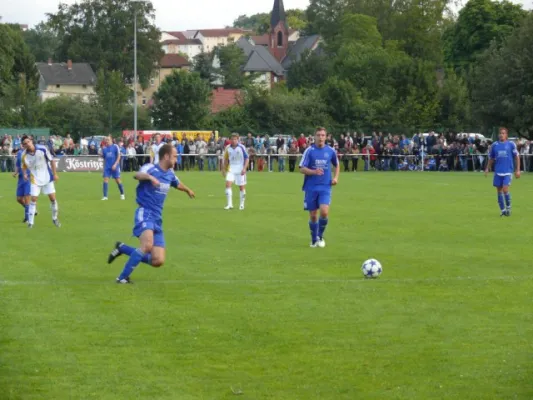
column 110, row 154
column 152, row 198
column 18, row 163
column 503, row 154
column 315, row 158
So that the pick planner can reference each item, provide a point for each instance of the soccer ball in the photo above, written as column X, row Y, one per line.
column 372, row 268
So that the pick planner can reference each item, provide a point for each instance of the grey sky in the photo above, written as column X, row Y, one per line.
column 170, row 14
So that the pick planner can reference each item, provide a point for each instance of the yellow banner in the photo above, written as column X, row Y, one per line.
column 192, row 135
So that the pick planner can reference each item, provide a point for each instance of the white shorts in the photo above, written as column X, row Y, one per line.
column 36, row 190
column 238, row 179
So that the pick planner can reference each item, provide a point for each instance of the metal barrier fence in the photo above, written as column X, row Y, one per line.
column 289, row 162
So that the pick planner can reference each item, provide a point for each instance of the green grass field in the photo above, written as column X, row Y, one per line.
column 245, row 309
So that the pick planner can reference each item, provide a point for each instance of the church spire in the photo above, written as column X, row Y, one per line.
column 278, row 15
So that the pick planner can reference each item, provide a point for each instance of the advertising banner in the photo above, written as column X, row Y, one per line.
column 79, row 164
column 177, row 135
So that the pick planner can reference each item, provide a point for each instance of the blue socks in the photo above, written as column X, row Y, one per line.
column 508, row 199
column 313, row 227
column 322, row 224
column 106, row 189
column 128, row 250
column 121, row 188
column 134, row 260
column 26, row 212
column 501, row 202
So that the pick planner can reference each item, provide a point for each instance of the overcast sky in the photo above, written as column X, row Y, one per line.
column 170, row 14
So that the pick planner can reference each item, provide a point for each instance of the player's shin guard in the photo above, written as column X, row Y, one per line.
column 501, row 202
column 121, row 188
column 313, row 227
column 229, row 197
column 134, row 260
column 55, row 210
column 31, row 212
column 106, row 189
column 243, row 197
column 508, row 199
column 322, row 224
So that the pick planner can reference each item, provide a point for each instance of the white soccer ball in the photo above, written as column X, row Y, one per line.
column 372, row 268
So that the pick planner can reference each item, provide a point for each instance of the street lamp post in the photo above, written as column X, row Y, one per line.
column 135, row 2
column 135, row 70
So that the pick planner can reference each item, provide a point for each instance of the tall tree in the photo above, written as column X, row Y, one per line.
column 111, row 96
column 232, row 59
column 502, row 82
column 19, row 78
column 100, row 32
column 203, row 64
column 310, row 71
column 259, row 23
column 181, row 102
column 42, row 41
column 479, row 23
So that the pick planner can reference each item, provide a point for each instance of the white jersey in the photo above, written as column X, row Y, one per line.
column 38, row 164
column 235, row 158
column 155, row 152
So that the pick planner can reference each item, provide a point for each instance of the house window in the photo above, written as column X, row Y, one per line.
column 144, row 100
column 152, row 82
column 280, row 39
column 58, row 86
column 84, row 86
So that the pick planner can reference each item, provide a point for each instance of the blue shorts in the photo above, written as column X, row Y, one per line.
column 314, row 199
column 145, row 221
column 109, row 173
column 23, row 188
column 501, row 181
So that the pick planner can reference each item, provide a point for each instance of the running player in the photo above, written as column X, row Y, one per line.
column 505, row 159
column 23, row 185
column 42, row 174
column 154, row 183
column 111, row 154
column 315, row 165
column 234, row 166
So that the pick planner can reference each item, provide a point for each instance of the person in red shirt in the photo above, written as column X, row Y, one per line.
column 369, row 156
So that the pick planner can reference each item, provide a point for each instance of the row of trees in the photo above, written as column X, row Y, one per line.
column 403, row 66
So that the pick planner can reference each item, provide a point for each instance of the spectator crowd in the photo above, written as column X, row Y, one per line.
column 385, row 152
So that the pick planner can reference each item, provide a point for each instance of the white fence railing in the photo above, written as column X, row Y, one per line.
column 287, row 162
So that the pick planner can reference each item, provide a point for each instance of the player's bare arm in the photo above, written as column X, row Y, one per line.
column 16, row 172
column 54, row 170
column 309, row 171
column 114, row 167
column 337, row 172
column 182, row 188
column 245, row 168
column 224, row 165
column 489, row 166
column 517, row 167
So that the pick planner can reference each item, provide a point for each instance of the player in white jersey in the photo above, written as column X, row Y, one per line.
column 234, row 166
column 154, row 149
column 38, row 160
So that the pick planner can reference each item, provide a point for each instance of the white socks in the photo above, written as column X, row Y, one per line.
column 229, row 197
column 55, row 210
column 243, row 197
column 31, row 212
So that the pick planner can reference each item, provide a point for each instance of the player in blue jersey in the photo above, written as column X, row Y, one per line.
column 504, row 160
column 23, row 184
column 154, row 183
column 111, row 155
column 318, row 182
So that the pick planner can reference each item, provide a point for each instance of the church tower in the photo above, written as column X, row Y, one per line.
column 279, row 31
